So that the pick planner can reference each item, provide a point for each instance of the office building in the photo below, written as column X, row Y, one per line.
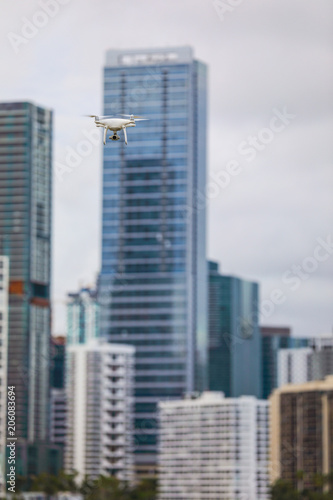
column 153, row 279
column 302, row 432
column 234, row 335
column 25, row 237
column 297, row 366
column 82, row 316
column 58, row 392
column 275, row 331
column 273, row 339
column 58, row 357
column 4, row 283
column 212, row 447
column 99, row 392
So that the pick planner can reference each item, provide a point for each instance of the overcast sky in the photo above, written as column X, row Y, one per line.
column 263, row 55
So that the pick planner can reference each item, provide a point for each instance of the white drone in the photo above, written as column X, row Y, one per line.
column 116, row 124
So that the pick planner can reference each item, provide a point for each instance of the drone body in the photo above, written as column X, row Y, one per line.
column 116, row 124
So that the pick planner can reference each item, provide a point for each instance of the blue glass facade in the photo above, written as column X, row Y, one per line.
column 82, row 316
column 234, row 335
column 153, row 278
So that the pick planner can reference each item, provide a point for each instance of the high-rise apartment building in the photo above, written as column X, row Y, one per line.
column 212, row 447
column 234, row 335
column 99, row 393
column 294, row 366
column 302, row 432
column 273, row 339
column 153, row 279
column 4, row 282
column 82, row 316
column 25, row 237
column 297, row 366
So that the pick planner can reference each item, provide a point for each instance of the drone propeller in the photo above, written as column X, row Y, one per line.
column 99, row 116
column 135, row 117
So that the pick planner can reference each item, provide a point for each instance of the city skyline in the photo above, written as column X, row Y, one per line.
column 263, row 210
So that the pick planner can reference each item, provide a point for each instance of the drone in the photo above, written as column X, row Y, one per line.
column 116, row 124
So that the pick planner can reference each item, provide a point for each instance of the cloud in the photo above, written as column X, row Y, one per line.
column 264, row 55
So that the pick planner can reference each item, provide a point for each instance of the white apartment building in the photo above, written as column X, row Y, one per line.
column 214, row 448
column 99, row 393
column 305, row 364
column 294, row 366
column 4, row 282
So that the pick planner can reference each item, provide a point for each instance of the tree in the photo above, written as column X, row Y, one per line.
column 145, row 490
column 282, row 490
column 108, row 488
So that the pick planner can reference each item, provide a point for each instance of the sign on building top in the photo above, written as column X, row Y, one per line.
column 148, row 57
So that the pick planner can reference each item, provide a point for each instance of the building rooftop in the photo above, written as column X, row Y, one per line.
column 314, row 385
column 207, row 398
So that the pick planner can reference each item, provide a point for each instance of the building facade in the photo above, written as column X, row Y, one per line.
column 315, row 362
column 274, row 339
column 153, row 279
column 234, row 335
column 294, row 366
column 99, row 392
column 4, row 283
column 25, row 237
column 322, row 356
column 302, row 432
column 58, row 393
column 82, row 316
column 212, row 447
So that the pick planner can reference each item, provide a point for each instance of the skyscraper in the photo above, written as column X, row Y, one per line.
column 234, row 335
column 82, row 316
column 25, row 237
column 99, row 391
column 153, row 278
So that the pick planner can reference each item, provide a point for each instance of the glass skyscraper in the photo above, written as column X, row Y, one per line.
column 82, row 316
column 25, row 237
column 153, row 278
column 234, row 335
